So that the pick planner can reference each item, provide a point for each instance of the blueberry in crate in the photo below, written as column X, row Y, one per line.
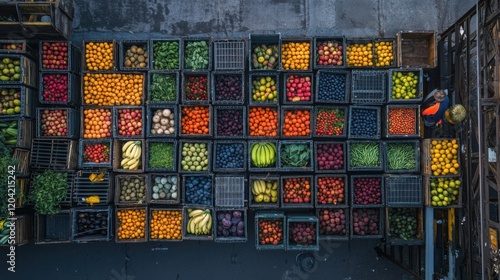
column 198, row 190
column 229, row 155
column 364, row 123
column 229, row 122
column 331, row 87
column 228, row 88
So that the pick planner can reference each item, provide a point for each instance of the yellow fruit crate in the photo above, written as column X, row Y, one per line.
column 432, row 164
column 443, row 192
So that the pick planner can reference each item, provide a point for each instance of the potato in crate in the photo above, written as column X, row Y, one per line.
column 134, row 55
column 59, row 56
column 162, row 121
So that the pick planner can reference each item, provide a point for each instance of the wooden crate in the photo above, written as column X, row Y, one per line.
column 117, row 225
column 426, row 157
column 45, row 20
column 23, row 162
column 60, row 154
column 23, row 229
column 417, row 49
column 428, row 195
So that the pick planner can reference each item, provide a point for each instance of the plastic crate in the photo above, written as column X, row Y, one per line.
column 342, row 92
column 28, row 101
column 178, row 55
column 151, row 87
column 307, row 168
column 454, row 203
column 173, row 156
column 353, row 189
column 142, row 209
column 317, row 43
column 309, row 204
column 28, row 75
column 426, row 156
column 260, row 39
column 126, row 45
column 403, row 191
column 185, row 221
column 396, row 239
column 378, row 167
column 210, row 122
column 386, row 41
column 51, row 229
column 417, row 49
column 185, row 44
column 85, row 45
column 283, row 112
column 270, row 216
column 150, row 225
column 255, row 77
column 268, row 134
column 90, row 164
column 152, row 183
column 292, row 90
column 392, row 85
column 24, row 135
column 22, row 167
column 143, row 178
column 208, row 145
column 373, row 134
column 284, row 44
column 345, row 193
column 331, row 236
column 150, row 112
column 320, row 132
column 92, row 97
column 209, row 195
column 84, row 110
column 23, row 48
column 230, row 191
column 66, row 202
column 376, row 211
column 271, row 168
column 116, row 120
column 416, row 148
column 73, row 88
column 84, row 188
column 72, row 123
column 195, row 75
column 227, row 169
column 404, row 118
column 118, row 156
column 73, row 57
column 332, row 169
column 268, row 178
column 218, row 84
column 359, row 43
column 229, row 55
column 97, row 235
column 368, row 86
column 302, row 218
column 233, row 118
column 60, row 154
column 220, row 238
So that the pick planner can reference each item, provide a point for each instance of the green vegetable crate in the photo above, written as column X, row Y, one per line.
column 165, row 54
column 367, row 191
column 413, row 80
column 84, row 187
column 25, row 71
column 197, row 53
column 342, row 197
column 18, row 132
column 261, row 159
column 73, row 88
column 229, row 55
column 232, row 237
column 412, row 230
column 342, row 90
column 252, row 187
column 103, row 234
column 194, row 148
column 23, row 100
column 295, row 218
column 51, row 229
column 25, row 49
column 262, row 217
column 368, row 87
column 124, row 183
column 154, row 124
column 258, row 85
column 161, row 209
column 294, row 109
column 401, row 121
column 167, row 183
column 114, row 54
column 307, row 200
column 67, row 201
column 374, row 228
column 403, row 190
column 224, row 82
column 161, row 155
column 228, row 168
column 230, row 191
column 131, row 48
column 83, row 163
column 295, row 156
column 72, row 122
column 199, row 237
column 365, row 155
column 57, row 154
column 329, row 232
column 261, row 45
column 237, row 115
column 73, row 59
column 163, row 87
column 194, row 93
column 402, row 156
column 118, row 156
column 319, row 41
column 323, row 164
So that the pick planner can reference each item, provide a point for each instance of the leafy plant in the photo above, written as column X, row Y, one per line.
column 197, row 55
column 163, row 87
column 166, row 55
column 295, row 155
column 161, row 155
column 5, row 161
column 49, row 189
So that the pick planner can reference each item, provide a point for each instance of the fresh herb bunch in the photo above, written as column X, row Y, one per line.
column 163, row 87
column 161, row 155
column 196, row 55
column 364, row 154
column 295, row 155
column 49, row 189
column 166, row 55
column 401, row 156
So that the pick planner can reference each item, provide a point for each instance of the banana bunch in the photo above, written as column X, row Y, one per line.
column 265, row 191
column 4, row 231
column 131, row 154
column 199, row 222
column 263, row 154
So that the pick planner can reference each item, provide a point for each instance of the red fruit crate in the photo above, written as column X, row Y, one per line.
column 330, row 157
column 196, row 87
column 322, row 59
column 330, row 121
column 135, row 114
column 228, row 88
column 401, row 121
column 273, row 220
column 296, row 240
column 230, row 122
column 303, row 198
column 17, row 47
column 71, row 121
column 331, row 191
column 362, row 229
column 333, row 223
column 85, row 161
column 59, row 83
column 52, row 53
column 369, row 186
column 298, row 88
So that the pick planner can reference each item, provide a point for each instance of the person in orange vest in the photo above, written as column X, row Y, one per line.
column 434, row 106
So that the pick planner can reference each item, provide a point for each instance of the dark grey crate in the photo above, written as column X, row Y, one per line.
column 415, row 122
column 353, row 188
column 209, row 197
column 359, row 43
column 244, row 154
column 84, row 110
column 275, row 217
column 230, row 191
column 376, row 61
column 171, row 200
column 353, row 111
column 302, row 218
column 185, row 221
column 85, row 64
column 159, row 210
column 305, row 204
column 221, row 238
column 24, row 128
column 195, row 75
column 143, row 212
column 208, row 145
column 392, row 85
column 23, row 47
column 285, row 109
column 341, row 93
column 378, row 167
column 28, row 75
column 376, row 211
column 85, row 188
column 255, row 134
column 318, row 42
column 368, row 86
column 67, row 201
column 403, row 191
column 82, row 163
column 218, row 84
column 58, row 154
column 95, row 235
column 292, row 90
column 28, row 101
column 125, row 45
column 73, row 58
column 251, row 195
column 72, row 123
column 174, row 53
column 185, row 43
column 152, row 99
column 116, row 120
column 150, row 112
column 306, row 168
column 335, row 168
column 143, row 178
column 342, row 122
column 256, row 40
column 173, row 156
column 253, row 83
column 396, row 239
column 330, row 236
column 229, row 54
column 234, row 115
column 252, row 167
column 51, row 229
column 416, row 147
column 73, row 88
column 193, row 135
column 89, row 98
column 286, row 41
column 344, row 201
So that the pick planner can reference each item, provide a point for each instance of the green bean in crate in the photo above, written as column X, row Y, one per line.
column 402, row 156
column 365, row 156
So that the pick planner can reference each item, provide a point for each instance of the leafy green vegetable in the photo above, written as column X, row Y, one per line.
column 295, row 155
column 49, row 189
column 401, row 156
column 196, row 55
column 166, row 55
column 6, row 160
column 163, row 87
column 161, row 155
column 364, row 154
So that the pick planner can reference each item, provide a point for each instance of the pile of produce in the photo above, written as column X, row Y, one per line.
column 163, row 87
column 129, row 122
column 166, row 55
column 444, row 157
column 366, row 221
column 264, row 89
column 403, row 223
column 55, row 88
column 263, row 154
column 367, row 190
column 265, row 57
column 230, row 223
column 166, row 224
column 54, row 122
column 402, row 121
column 360, row 55
column 106, row 89
column 270, row 231
column 131, row 156
column 229, row 156
column 195, row 120
column 10, row 101
column 194, row 157
column 332, row 222
column 302, row 233
column 131, row 223
column 330, row 190
column 331, row 87
column 9, row 130
column 196, row 55
column 296, row 122
column 364, row 154
column 404, row 85
column 198, row 190
column 99, row 55
column 297, row 190
column 298, row 88
column 132, row 189
column 401, row 156
column 12, row 46
column 330, row 156
column 295, row 55
column 295, row 155
column 196, row 88
column 10, row 69
column 329, row 53
column 136, row 57
column 330, row 121
column 199, row 222
column 265, row 191
column 92, row 223
column 165, row 188
column 228, row 88
column 364, row 123
column 5, row 229
column 229, row 122
column 444, row 191
column 263, row 121
column 49, row 190
column 96, row 153
column 55, row 55
column 97, row 123
column 161, row 155
column 384, row 54
column 163, row 122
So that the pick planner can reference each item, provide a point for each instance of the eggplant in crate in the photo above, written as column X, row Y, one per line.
column 91, row 224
